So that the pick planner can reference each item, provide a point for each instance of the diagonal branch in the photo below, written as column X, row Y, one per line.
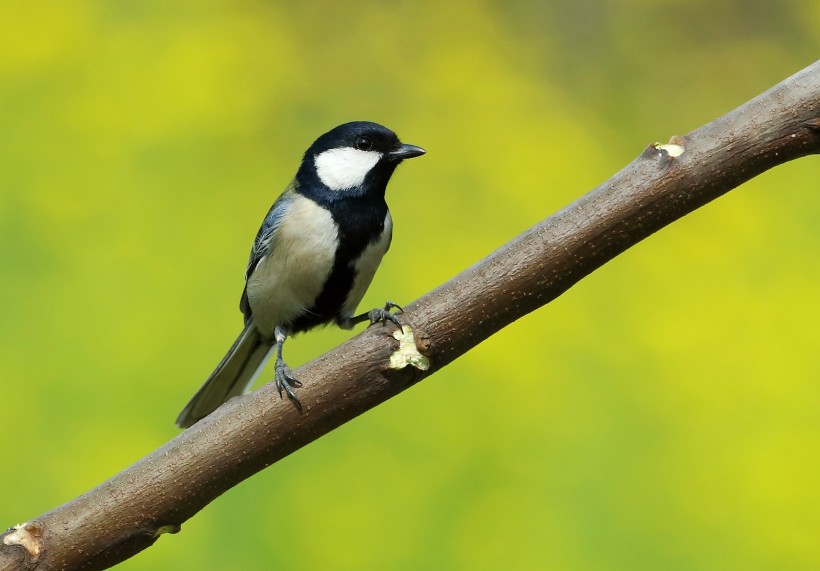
column 127, row 513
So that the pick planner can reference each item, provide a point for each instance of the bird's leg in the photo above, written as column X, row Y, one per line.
column 380, row 314
column 283, row 376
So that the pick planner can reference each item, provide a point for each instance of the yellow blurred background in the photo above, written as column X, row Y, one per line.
column 663, row 414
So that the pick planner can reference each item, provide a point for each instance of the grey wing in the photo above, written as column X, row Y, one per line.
column 263, row 243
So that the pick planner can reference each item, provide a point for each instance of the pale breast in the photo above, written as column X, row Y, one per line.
column 289, row 279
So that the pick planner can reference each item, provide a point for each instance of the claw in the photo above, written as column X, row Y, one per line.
column 284, row 380
column 383, row 314
column 390, row 305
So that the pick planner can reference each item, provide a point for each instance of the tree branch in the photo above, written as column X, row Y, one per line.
column 127, row 513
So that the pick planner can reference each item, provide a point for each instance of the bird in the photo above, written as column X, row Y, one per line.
column 313, row 258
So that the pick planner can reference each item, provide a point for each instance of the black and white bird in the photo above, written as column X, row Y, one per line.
column 313, row 258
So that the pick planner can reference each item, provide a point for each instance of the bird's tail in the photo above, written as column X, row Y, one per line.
column 232, row 377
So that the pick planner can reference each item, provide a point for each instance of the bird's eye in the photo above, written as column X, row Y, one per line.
column 364, row 143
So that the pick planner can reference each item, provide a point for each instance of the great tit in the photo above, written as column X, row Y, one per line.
column 313, row 258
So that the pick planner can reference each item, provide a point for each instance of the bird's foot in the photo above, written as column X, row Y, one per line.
column 285, row 380
column 383, row 315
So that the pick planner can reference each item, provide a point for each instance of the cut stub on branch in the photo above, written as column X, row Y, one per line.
column 28, row 539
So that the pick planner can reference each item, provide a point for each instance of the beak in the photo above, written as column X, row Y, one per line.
column 405, row 152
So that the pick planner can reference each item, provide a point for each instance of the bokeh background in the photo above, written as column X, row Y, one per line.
column 662, row 414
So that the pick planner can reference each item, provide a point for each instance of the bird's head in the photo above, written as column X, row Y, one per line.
column 355, row 158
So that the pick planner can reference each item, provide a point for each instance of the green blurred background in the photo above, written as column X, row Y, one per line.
column 663, row 414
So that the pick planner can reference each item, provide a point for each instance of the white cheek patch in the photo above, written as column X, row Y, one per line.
column 340, row 169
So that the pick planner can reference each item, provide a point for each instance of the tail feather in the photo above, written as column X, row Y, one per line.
column 232, row 377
